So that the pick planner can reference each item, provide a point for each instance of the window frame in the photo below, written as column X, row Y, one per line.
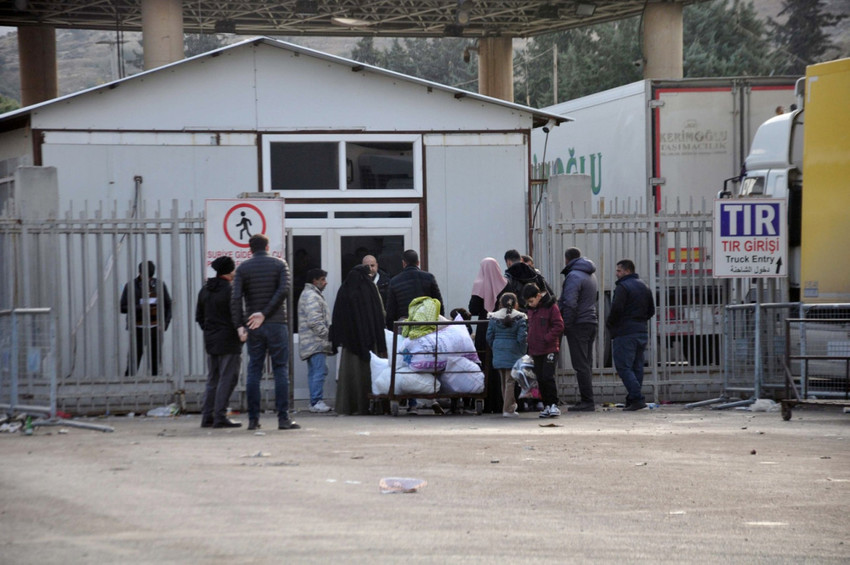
column 344, row 192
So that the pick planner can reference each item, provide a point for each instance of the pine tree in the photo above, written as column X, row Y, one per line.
column 725, row 39
column 801, row 40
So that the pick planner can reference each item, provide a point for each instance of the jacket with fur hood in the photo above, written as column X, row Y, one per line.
column 519, row 274
column 508, row 342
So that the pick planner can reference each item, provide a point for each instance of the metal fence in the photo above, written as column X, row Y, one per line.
column 818, row 354
column 28, row 361
column 757, row 341
column 672, row 253
column 77, row 267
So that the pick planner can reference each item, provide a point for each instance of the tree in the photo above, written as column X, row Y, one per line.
column 437, row 60
column 197, row 43
column 721, row 38
column 365, row 52
column 590, row 59
column 8, row 104
column 725, row 39
column 801, row 40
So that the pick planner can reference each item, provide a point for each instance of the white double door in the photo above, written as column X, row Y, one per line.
column 337, row 250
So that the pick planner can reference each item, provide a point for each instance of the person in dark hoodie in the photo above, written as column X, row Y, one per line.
column 222, row 343
column 578, row 309
column 545, row 327
column 519, row 274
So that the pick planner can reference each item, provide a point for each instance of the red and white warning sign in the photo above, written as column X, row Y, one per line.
column 231, row 223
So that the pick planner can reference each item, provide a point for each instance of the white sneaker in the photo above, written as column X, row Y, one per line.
column 320, row 406
column 550, row 412
column 513, row 414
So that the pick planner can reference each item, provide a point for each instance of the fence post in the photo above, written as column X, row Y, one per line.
column 176, row 298
column 759, row 365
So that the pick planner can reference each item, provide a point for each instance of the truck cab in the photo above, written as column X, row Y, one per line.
column 774, row 169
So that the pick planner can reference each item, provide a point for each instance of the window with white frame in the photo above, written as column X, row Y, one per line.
column 366, row 165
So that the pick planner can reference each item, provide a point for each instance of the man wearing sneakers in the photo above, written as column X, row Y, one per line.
column 314, row 320
column 545, row 327
column 631, row 308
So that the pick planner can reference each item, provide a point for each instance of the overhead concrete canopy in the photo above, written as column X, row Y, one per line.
column 379, row 18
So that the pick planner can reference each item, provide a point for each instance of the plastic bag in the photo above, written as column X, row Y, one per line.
column 523, row 373
column 462, row 376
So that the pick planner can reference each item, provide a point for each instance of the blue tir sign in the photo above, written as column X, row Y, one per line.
column 748, row 220
column 750, row 238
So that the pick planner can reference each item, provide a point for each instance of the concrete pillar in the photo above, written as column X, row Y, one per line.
column 662, row 40
column 496, row 67
column 162, row 32
column 37, row 57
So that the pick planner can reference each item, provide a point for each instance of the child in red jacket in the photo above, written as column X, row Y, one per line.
column 545, row 327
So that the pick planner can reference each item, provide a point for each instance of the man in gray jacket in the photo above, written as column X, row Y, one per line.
column 314, row 320
column 578, row 309
column 262, row 284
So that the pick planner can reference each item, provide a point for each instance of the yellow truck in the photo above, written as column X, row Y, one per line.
column 824, row 268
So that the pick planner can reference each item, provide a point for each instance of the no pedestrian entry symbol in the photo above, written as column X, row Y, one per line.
column 241, row 222
column 231, row 223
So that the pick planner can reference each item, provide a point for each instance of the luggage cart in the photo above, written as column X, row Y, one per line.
column 483, row 366
column 837, row 355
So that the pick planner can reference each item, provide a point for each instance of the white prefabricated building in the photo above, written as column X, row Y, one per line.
column 367, row 160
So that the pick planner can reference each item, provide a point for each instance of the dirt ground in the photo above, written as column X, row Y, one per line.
column 668, row 485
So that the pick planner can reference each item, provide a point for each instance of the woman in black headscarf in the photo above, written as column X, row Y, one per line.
column 357, row 326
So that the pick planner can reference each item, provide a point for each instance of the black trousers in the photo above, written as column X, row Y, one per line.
column 140, row 348
column 222, row 375
column 580, row 340
column 544, row 370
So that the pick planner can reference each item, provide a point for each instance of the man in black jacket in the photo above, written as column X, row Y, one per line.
column 631, row 308
column 410, row 283
column 151, row 314
column 380, row 277
column 222, row 343
column 262, row 283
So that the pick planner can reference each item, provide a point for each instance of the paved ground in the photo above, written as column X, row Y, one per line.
column 668, row 485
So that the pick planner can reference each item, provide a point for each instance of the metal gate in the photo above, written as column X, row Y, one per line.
column 77, row 266
column 672, row 253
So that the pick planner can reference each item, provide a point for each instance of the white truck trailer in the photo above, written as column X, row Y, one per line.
column 664, row 145
column 659, row 141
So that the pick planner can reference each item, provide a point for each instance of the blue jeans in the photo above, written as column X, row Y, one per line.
column 317, row 370
column 269, row 338
column 628, row 359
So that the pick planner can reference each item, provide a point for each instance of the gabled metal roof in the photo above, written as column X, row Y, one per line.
column 539, row 118
column 379, row 18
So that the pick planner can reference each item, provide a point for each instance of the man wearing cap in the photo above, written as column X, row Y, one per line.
column 222, row 342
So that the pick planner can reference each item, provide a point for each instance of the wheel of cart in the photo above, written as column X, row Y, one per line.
column 787, row 407
column 479, row 406
column 394, row 407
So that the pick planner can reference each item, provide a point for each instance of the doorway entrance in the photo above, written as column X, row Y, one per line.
column 335, row 238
